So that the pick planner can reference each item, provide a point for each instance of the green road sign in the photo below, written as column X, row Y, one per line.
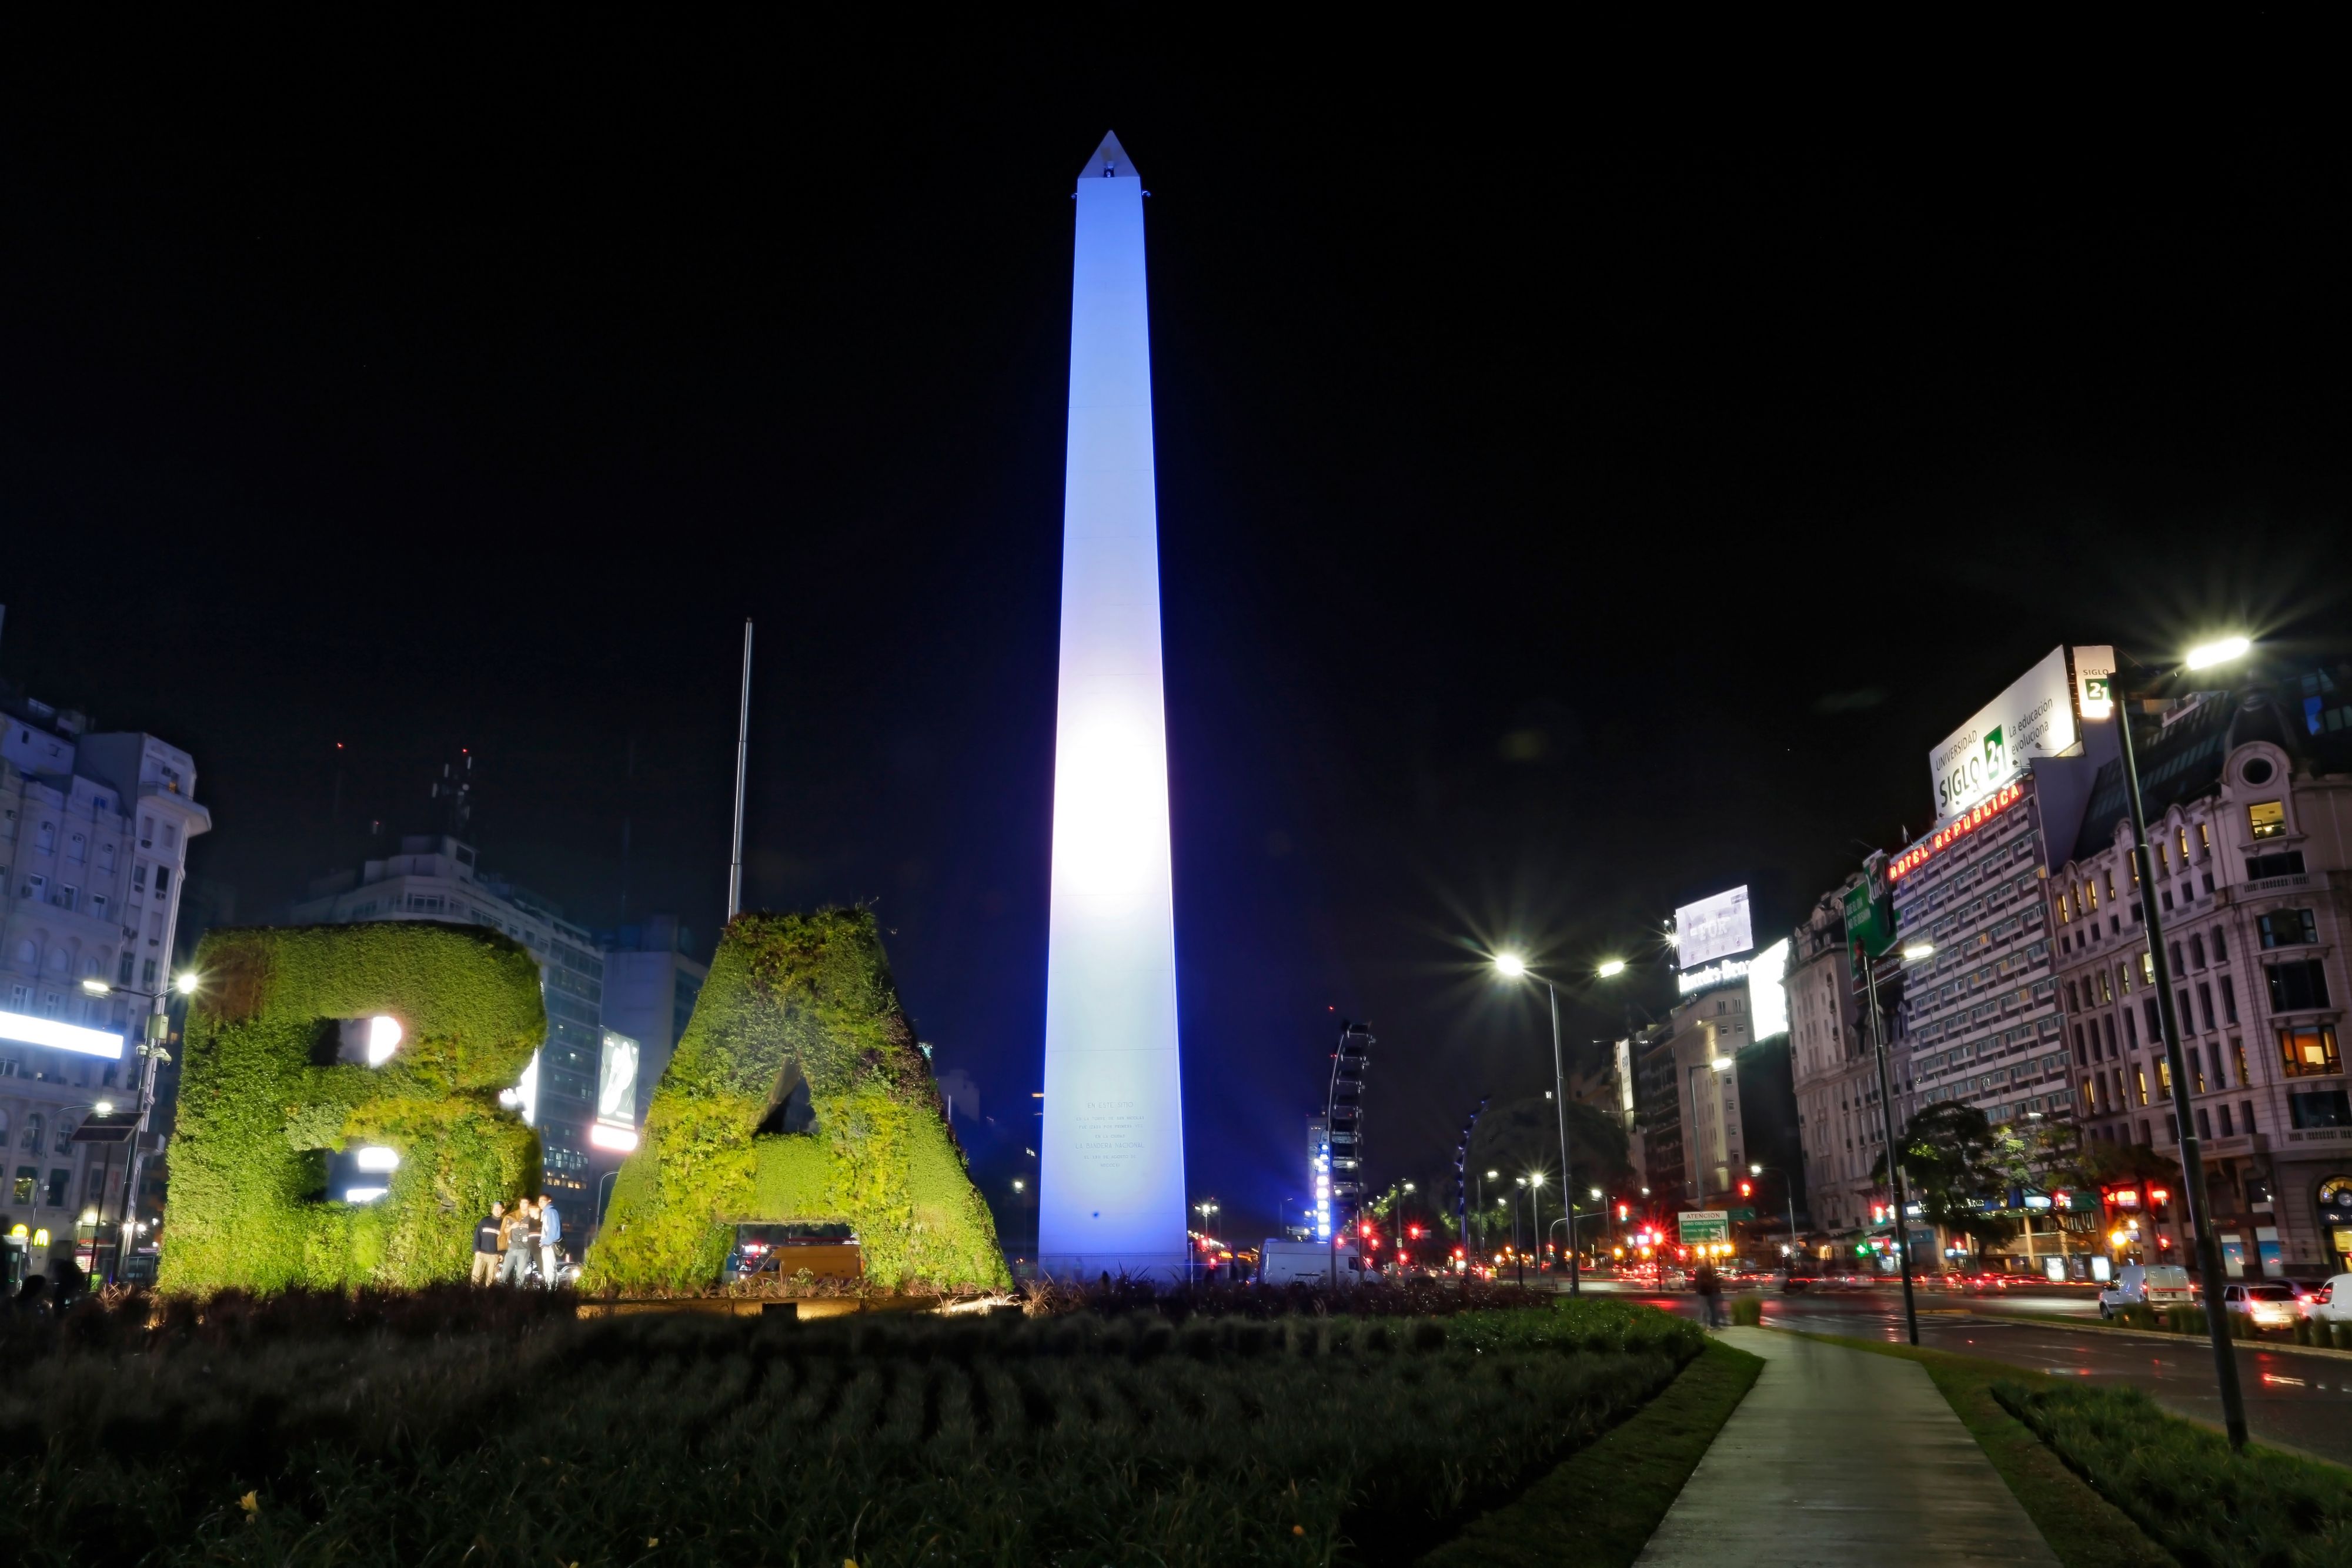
column 1703, row 1225
column 1870, row 917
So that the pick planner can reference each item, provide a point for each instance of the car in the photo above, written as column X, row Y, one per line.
column 2330, row 1302
column 2269, row 1304
column 2152, row 1285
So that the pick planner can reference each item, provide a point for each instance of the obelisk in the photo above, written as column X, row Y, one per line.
column 1111, row 1173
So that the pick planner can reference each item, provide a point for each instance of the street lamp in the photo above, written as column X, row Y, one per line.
column 2193, row 1195
column 1511, row 967
column 1787, row 1190
column 1912, row 953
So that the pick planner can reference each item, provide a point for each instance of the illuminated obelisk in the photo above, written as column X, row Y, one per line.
column 1111, row 1178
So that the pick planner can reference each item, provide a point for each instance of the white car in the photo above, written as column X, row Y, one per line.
column 2271, row 1304
column 2331, row 1302
column 2161, row 1285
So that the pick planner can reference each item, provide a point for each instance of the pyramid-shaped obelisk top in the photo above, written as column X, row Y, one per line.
column 1109, row 162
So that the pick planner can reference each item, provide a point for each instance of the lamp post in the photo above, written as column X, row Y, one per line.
column 185, row 984
column 1511, row 967
column 1869, row 978
column 2192, row 1163
column 1789, row 1191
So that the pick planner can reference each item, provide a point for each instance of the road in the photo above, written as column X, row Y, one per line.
column 2294, row 1399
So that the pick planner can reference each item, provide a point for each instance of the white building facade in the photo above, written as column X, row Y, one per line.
column 1836, row 1077
column 94, row 832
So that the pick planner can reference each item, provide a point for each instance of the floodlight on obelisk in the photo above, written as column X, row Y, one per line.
column 1111, row 1174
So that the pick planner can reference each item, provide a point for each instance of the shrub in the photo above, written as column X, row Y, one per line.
column 262, row 1099
column 797, row 1002
column 368, row 1434
column 2183, row 1486
column 1748, row 1312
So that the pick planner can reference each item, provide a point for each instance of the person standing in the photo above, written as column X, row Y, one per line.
column 516, row 1235
column 1710, row 1285
column 485, row 1245
column 551, row 1233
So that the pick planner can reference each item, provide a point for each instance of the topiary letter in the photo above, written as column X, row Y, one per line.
column 797, row 1094
column 278, row 1075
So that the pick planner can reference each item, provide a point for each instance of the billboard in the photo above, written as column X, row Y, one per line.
column 2034, row 717
column 616, row 1096
column 616, row 1081
column 1712, row 928
column 1767, row 995
column 2095, row 679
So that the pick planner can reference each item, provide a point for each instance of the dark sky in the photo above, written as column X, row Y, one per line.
column 1586, row 482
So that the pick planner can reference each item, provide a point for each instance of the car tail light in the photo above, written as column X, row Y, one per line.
column 2324, row 1294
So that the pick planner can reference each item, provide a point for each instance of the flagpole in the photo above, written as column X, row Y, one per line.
column 742, row 746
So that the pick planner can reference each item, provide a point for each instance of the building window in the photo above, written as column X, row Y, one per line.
column 2229, row 1000
column 2205, row 1005
column 2237, row 1049
column 2286, row 862
column 2267, row 819
column 2228, row 1128
column 2309, row 1053
column 2131, row 1031
column 48, row 840
column 2197, row 952
column 56, row 1193
column 2204, row 838
column 34, row 1127
column 2246, row 1117
column 2065, row 909
column 28, row 1176
column 2175, row 953
column 2288, row 928
column 2204, row 1124
column 2296, row 987
column 2319, row 1108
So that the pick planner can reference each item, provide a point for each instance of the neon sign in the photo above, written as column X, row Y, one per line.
column 1976, row 817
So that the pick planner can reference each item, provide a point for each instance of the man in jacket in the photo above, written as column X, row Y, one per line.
column 516, row 1234
column 551, row 1232
column 485, row 1245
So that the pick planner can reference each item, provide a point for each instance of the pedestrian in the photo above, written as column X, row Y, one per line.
column 1710, row 1285
column 485, row 1245
column 551, row 1233
column 515, row 1234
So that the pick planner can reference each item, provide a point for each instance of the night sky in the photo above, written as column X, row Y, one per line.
column 1578, row 492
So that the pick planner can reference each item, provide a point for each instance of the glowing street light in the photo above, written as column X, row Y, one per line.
column 1510, row 966
column 1611, row 969
column 2205, row 655
column 1918, row 950
column 186, row 983
column 1722, row 1064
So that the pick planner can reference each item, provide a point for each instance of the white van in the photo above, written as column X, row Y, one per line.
column 1309, row 1264
column 2160, row 1285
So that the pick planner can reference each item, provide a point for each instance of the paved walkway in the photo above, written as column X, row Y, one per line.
column 1841, row 1457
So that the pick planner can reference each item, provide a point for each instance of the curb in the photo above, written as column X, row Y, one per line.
column 2286, row 1346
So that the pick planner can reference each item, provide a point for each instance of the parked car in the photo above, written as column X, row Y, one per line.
column 2331, row 1302
column 2270, row 1302
column 2152, row 1285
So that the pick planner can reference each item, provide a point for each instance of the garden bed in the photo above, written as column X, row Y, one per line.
column 2182, row 1485
column 496, row 1427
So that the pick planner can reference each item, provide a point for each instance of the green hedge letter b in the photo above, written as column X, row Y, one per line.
column 338, row 1115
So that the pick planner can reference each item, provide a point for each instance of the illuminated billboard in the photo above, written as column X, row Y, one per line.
column 1767, row 995
column 2034, row 717
column 615, row 1127
column 59, row 1036
column 1712, row 928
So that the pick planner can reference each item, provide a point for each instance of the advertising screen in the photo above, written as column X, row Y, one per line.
column 617, row 1081
column 2034, row 717
column 1767, row 995
column 1712, row 928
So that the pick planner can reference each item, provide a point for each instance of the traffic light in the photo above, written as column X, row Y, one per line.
column 1746, row 1188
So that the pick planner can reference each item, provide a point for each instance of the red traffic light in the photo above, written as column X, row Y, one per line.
column 1746, row 1189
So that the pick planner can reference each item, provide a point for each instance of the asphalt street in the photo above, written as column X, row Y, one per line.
column 2295, row 1399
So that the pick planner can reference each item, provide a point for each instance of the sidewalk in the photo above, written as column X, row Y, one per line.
column 1837, row 1456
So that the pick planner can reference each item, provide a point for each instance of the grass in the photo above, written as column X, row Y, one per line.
column 2182, row 1484
column 489, row 1427
column 1610, row 1496
column 2082, row 1527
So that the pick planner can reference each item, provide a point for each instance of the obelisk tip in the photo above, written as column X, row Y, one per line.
column 1110, row 161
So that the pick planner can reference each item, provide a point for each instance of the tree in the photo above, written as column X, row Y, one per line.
column 1952, row 1160
column 2045, row 1156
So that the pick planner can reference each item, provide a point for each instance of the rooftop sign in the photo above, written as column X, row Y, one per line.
column 1712, row 928
column 2034, row 717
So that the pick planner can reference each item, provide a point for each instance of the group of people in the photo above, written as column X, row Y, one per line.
column 511, row 1237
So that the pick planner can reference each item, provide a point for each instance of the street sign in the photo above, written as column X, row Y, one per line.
column 1870, row 915
column 1700, row 1225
